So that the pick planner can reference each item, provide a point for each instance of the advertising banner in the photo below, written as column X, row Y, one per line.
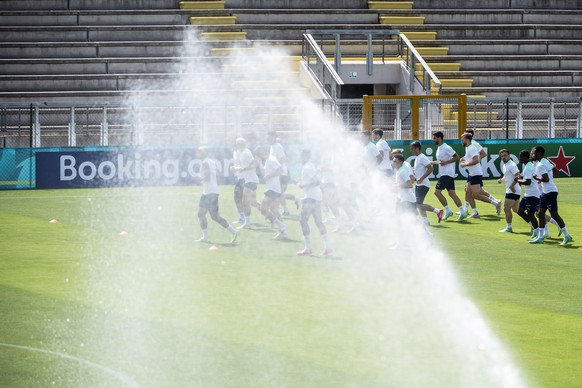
column 165, row 166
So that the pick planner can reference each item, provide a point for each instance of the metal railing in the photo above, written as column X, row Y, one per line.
column 322, row 72
column 425, row 76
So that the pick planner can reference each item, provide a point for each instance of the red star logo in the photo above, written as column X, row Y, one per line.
column 561, row 161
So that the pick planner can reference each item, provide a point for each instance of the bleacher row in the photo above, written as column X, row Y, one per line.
column 98, row 49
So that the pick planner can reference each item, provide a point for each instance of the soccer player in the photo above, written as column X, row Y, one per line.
column 372, row 156
column 544, row 173
column 422, row 170
column 382, row 146
column 239, row 185
column 530, row 203
column 469, row 200
column 472, row 162
column 248, row 171
column 279, row 154
column 311, row 204
column 404, row 177
column 272, row 171
column 512, row 188
column 446, row 158
column 209, row 199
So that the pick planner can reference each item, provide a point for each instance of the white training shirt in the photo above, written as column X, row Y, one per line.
column 421, row 163
column 405, row 194
column 310, row 182
column 545, row 167
column 470, row 153
column 279, row 153
column 531, row 190
column 209, row 182
column 371, row 154
column 273, row 183
column 386, row 164
column 444, row 153
column 246, row 159
column 510, row 171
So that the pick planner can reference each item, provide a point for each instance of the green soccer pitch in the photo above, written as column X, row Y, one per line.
column 83, row 304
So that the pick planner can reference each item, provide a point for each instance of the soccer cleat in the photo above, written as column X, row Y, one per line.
column 537, row 240
column 244, row 226
column 448, row 214
column 462, row 216
column 474, row 215
column 233, row 236
column 566, row 240
column 202, row 239
column 240, row 221
column 498, row 208
column 282, row 236
column 506, row 230
column 440, row 215
column 285, row 213
column 326, row 252
column 304, row 252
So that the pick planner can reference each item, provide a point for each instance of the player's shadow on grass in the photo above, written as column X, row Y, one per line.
column 489, row 217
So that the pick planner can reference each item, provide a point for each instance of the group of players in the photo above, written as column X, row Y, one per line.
column 540, row 192
column 321, row 187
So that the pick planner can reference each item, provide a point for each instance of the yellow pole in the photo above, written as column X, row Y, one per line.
column 367, row 113
column 415, row 117
column 462, row 117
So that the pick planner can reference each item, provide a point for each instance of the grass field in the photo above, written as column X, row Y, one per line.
column 81, row 305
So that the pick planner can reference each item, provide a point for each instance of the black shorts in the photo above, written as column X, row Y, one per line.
column 251, row 186
column 445, row 182
column 238, row 187
column 512, row 196
column 475, row 180
column 272, row 194
column 284, row 179
column 531, row 204
column 209, row 202
column 421, row 192
column 549, row 201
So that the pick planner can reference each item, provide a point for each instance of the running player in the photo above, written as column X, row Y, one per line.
column 385, row 166
column 530, row 203
column 512, row 188
column 272, row 171
column 544, row 173
column 472, row 162
column 311, row 204
column 422, row 170
column 209, row 199
column 446, row 158
column 248, row 171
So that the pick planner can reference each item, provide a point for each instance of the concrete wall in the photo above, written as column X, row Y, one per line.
column 298, row 4
column 30, row 5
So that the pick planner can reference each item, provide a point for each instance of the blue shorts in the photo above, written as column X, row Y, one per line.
column 445, row 182
column 512, row 196
column 549, row 201
column 475, row 180
column 531, row 204
column 420, row 193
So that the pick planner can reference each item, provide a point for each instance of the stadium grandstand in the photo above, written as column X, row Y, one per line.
column 74, row 72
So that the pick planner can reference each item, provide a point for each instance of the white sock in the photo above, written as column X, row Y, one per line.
column 436, row 211
column 565, row 231
column 462, row 210
column 247, row 220
column 494, row 202
column 279, row 224
column 547, row 229
column 509, row 225
column 447, row 208
column 540, row 232
column 552, row 221
column 475, row 211
column 205, row 233
column 466, row 207
column 425, row 219
column 307, row 242
column 231, row 229
column 325, row 241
